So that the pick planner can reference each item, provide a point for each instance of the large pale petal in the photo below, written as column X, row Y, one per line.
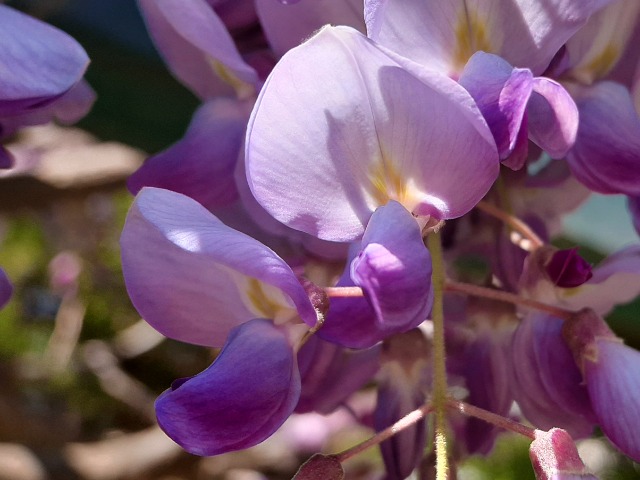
column 341, row 128
column 197, row 47
column 444, row 35
column 193, row 278
column 240, row 400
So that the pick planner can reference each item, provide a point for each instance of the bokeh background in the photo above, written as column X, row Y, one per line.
column 79, row 370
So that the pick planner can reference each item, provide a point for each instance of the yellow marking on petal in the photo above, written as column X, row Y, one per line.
column 243, row 89
column 602, row 63
column 387, row 182
column 471, row 37
column 263, row 303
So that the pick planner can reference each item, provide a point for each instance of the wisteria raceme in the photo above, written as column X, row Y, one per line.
column 432, row 149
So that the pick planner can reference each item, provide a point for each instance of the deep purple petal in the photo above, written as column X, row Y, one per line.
column 6, row 289
column 552, row 117
column 502, row 94
column 202, row 164
column 198, row 48
column 546, row 381
column 606, row 155
column 444, row 35
column 353, row 136
column 193, row 278
column 240, row 400
column 287, row 24
column 613, row 380
column 38, row 63
column 331, row 373
column 393, row 268
column 567, row 269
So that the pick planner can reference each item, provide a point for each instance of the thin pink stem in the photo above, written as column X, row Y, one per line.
column 512, row 221
column 492, row 418
column 388, row 432
column 502, row 296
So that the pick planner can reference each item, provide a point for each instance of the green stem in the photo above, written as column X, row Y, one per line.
column 439, row 357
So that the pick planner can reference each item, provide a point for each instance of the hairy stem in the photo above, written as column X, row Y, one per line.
column 439, row 357
column 406, row 421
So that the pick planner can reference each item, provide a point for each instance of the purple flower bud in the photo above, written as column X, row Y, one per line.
column 555, row 457
column 567, row 269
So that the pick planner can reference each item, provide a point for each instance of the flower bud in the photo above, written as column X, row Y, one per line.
column 320, row 467
column 555, row 457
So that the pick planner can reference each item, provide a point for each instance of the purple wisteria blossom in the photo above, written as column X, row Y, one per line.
column 360, row 139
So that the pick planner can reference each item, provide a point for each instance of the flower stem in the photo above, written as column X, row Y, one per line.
column 439, row 357
column 492, row 418
column 514, row 222
column 406, row 421
column 508, row 297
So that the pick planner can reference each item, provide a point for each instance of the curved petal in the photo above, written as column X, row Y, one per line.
column 606, row 155
column 38, row 63
column 355, row 130
column 201, row 165
column 286, row 24
column 393, row 268
column 552, row 117
column 193, row 278
column 198, row 48
column 502, row 94
column 240, row 400
column 444, row 35
column 613, row 380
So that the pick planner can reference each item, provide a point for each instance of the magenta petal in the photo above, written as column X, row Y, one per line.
column 197, row 47
column 502, row 94
column 201, row 165
column 613, row 380
column 552, row 117
column 192, row 277
column 356, row 129
column 38, row 63
column 240, row 400
column 606, row 155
